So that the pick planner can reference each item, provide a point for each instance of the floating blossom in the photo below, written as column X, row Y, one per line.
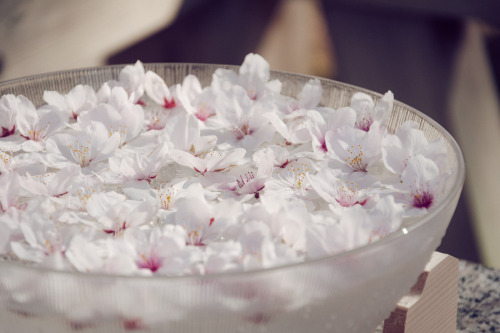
column 131, row 79
column 10, row 197
column 367, row 111
column 34, row 125
column 253, row 77
column 114, row 214
column 86, row 148
column 52, row 184
column 196, row 100
column 120, row 115
column 158, row 91
column 102, row 255
column 46, row 240
column 247, row 125
column 203, row 221
column 210, row 161
column 80, row 98
column 292, row 177
column 408, row 142
column 342, row 190
column 8, row 112
column 136, row 167
column 308, row 98
column 356, row 227
column 322, row 130
column 357, row 150
column 163, row 251
column 424, row 182
column 20, row 163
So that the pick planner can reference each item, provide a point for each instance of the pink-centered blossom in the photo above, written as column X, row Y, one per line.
column 196, row 100
column 87, row 147
column 156, row 88
column 114, row 213
column 8, row 113
column 245, row 122
column 367, row 111
column 253, row 77
column 80, row 98
column 423, row 183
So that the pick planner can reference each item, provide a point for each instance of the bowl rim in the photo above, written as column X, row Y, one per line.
column 402, row 231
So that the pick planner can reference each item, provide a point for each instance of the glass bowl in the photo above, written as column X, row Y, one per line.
column 352, row 291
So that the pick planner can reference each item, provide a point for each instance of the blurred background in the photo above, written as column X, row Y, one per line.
column 441, row 57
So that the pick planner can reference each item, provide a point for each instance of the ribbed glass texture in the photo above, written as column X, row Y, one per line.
column 348, row 292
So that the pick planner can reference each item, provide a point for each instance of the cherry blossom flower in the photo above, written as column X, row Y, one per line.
column 210, row 161
column 86, row 148
column 114, row 214
column 222, row 256
column 259, row 249
column 54, row 184
column 424, row 183
column 158, row 91
column 102, row 255
column 163, row 251
column 322, row 130
column 208, row 221
column 33, row 125
column 287, row 219
column 119, row 115
column 367, row 111
column 9, row 229
column 409, row 141
column 355, row 149
column 356, row 227
column 248, row 127
column 20, row 163
column 343, row 190
column 10, row 196
column 46, row 240
column 253, row 76
column 292, row 177
column 293, row 130
column 168, row 193
column 8, row 113
column 307, row 99
column 131, row 79
column 136, row 167
column 196, row 100
column 184, row 133
column 80, row 98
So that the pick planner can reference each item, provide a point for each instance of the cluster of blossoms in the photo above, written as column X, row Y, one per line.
column 143, row 178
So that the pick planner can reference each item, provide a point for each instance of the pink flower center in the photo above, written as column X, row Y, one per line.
column 422, row 199
column 347, row 195
column 7, row 132
column 169, row 103
column 204, row 112
column 242, row 131
column 152, row 262
column 364, row 123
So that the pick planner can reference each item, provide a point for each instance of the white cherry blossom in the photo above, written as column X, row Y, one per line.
column 87, row 147
column 367, row 111
column 80, row 98
column 407, row 142
column 158, row 91
column 8, row 113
